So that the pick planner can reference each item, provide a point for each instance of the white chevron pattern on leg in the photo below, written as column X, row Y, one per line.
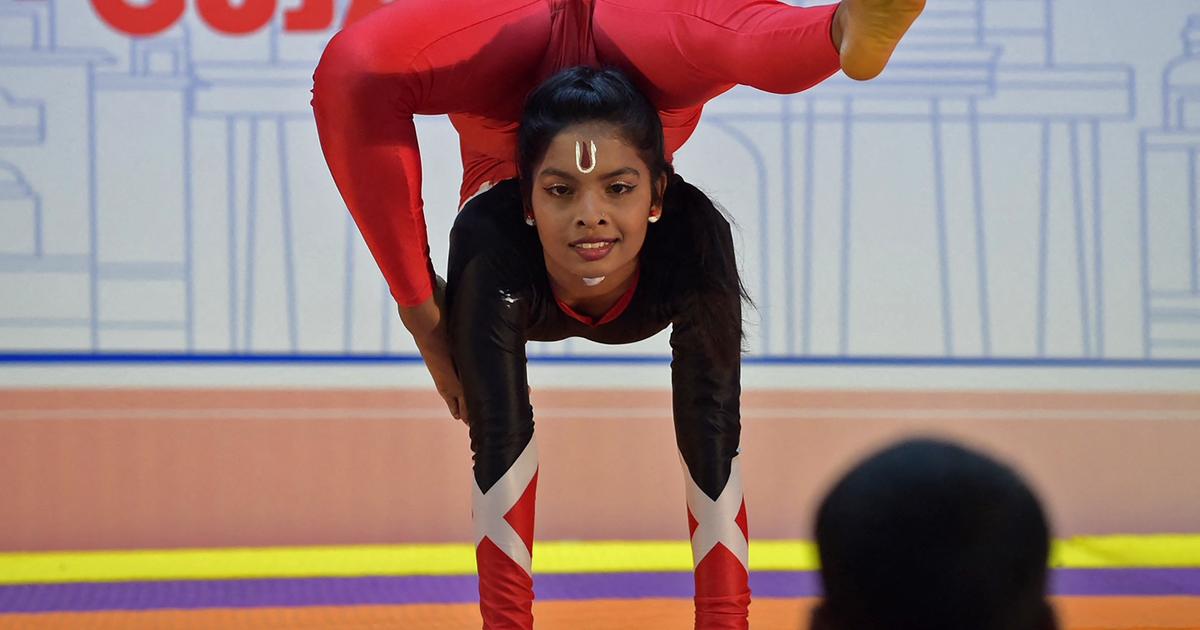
column 488, row 508
column 717, row 520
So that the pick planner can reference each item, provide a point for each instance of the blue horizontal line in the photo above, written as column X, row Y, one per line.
column 1015, row 31
column 1175, row 343
column 1117, row 87
column 1176, row 314
column 920, row 117
column 59, row 263
column 1064, row 117
column 832, row 360
column 44, row 322
column 205, row 82
column 144, row 84
column 240, row 114
column 141, row 271
column 84, row 322
column 146, row 325
column 274, row 65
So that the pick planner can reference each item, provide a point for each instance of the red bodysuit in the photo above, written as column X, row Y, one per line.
column 476, row 60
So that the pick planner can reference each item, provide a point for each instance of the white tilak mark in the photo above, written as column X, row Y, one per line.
column 717, row 519
column 488, row 508
column 579, row 156
column 591, row 282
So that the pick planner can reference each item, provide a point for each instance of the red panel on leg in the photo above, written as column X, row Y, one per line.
column 722, row 592
column 741, row 521
column 521, row 514
column 692, row 523
column 505, row 590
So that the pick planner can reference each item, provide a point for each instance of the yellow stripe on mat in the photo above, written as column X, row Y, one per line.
column 550, row 557
column 1121, row 552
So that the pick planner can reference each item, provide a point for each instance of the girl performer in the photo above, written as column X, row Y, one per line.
column 575, row 248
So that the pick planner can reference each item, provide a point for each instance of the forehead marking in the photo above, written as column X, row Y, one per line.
column 586, row 163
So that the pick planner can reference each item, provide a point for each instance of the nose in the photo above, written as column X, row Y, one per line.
column 592, row 211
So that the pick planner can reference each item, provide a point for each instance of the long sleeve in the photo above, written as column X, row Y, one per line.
column 706, row 392
column 705, row 383
column 416, row 57
column 490, row 301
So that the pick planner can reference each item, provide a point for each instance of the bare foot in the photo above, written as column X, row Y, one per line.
column 870, row 30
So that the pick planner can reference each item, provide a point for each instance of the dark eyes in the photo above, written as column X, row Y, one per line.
column 620, row 189
column 562, row 190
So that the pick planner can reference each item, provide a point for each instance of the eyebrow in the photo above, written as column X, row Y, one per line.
column 565, row 175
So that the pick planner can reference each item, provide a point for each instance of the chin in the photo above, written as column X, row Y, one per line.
column 593, row 271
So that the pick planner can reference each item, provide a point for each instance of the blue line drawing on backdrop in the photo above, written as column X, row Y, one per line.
column 1071, row 103
column 21, row 232
column 45, row 148
column 876, row 219
column 963, row 73
column 1170, row 257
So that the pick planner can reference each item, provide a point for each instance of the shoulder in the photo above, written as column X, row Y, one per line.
column 490, row 236
column 497, row 212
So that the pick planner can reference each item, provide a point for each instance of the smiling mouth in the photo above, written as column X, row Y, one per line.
column 592, row 250
column 594, row 244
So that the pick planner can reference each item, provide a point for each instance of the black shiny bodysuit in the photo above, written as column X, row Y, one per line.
column 498, row 297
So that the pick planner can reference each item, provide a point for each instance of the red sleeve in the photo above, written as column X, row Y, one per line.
column 413, row 57
column 365, row 124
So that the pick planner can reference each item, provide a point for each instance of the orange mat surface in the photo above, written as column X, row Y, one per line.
column 1076, row 613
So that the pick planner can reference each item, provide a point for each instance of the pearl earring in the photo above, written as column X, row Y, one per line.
column 654, row 218
column 529, row 220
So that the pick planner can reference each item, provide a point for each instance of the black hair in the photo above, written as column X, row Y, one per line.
column 690, row 250
column 927, row 534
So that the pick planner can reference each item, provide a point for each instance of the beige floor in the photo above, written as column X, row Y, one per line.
column 112, row 469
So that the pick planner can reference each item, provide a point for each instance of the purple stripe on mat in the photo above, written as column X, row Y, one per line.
column 190, row 594
column 187, row 594
column 1125, row 581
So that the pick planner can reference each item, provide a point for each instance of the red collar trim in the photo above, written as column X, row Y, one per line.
column 612, row 313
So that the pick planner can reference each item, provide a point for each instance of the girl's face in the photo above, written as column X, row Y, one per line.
column 592, row 205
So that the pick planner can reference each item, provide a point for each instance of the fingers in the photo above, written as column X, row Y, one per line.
column 462, row 411
column 457, row 405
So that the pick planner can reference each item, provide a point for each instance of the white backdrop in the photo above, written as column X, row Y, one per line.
column 1020, row 185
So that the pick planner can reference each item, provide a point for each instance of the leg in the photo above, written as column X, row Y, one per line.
column 503, row 516
column 720, row 544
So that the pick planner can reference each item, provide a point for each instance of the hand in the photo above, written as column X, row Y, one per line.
column 426, row 323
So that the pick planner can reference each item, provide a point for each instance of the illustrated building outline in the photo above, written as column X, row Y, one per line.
column 1170, row 261
column 235, row 267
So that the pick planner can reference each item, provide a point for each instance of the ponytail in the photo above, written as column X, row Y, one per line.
column 691, row 250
